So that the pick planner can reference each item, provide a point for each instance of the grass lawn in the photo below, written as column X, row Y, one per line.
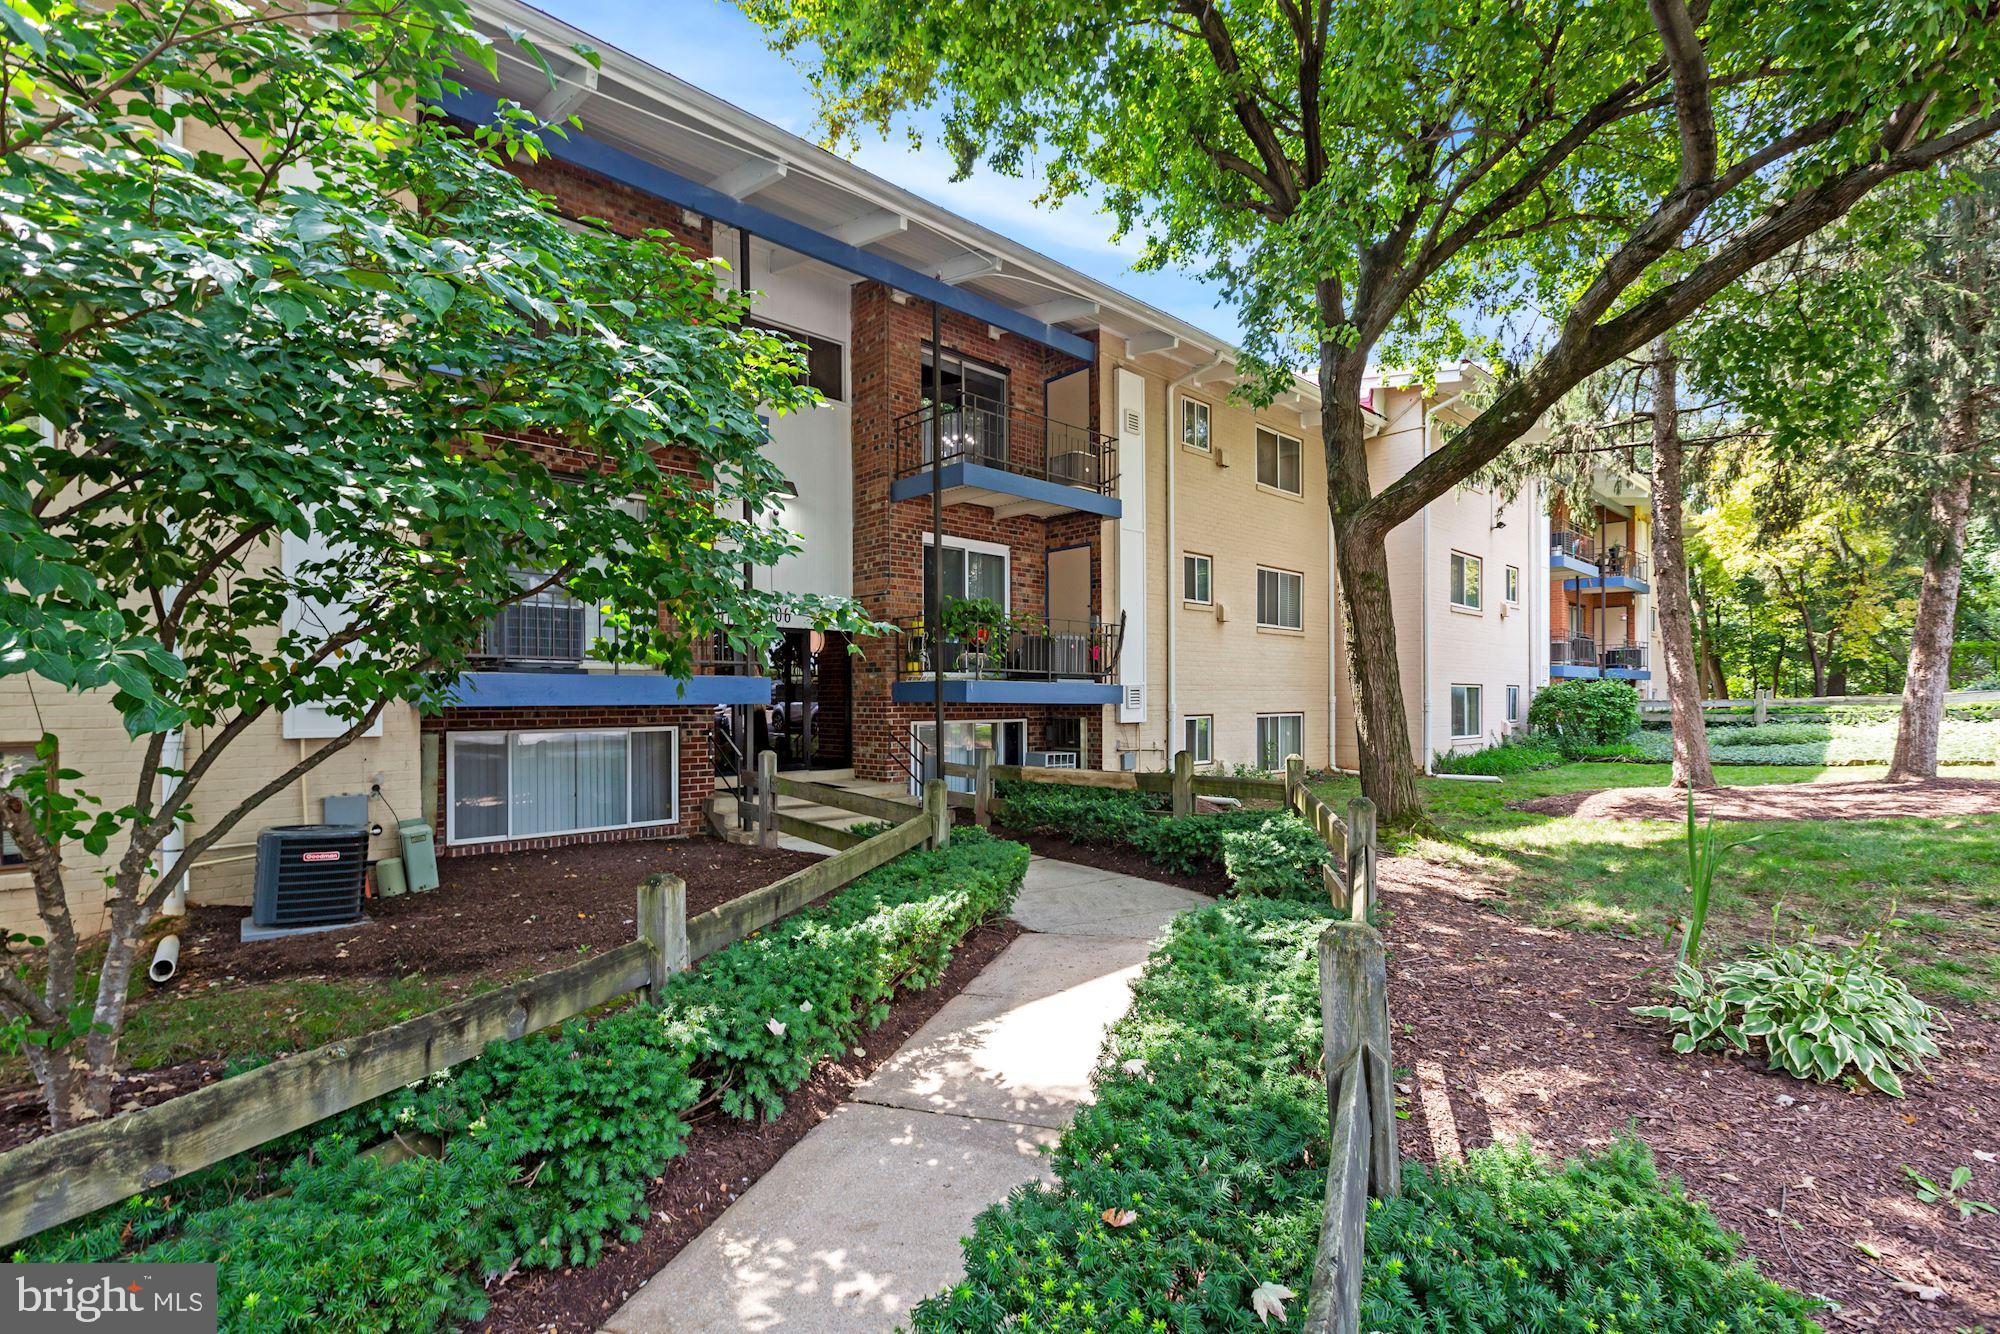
column 1931, row 886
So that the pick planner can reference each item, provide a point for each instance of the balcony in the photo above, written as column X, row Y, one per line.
column 1627, row 662
column 1572, row 551
column 1619, row 570
column 534, row 655
column 1014, row 463
column 1066, row 663
column 1573, row 658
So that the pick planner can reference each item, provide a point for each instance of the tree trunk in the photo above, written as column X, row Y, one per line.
column 1670, row 579
column 1929, row 674
column 1388, row 774
column 1388, row 777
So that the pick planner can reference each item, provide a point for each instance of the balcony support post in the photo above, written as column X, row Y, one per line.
column 934, row 609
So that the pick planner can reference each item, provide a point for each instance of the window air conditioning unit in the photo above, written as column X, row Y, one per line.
column 1052, row 759
column 310, row 875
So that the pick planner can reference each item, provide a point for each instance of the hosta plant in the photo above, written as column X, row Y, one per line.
column 1825, row 1015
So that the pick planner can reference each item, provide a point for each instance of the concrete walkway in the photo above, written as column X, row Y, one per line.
column 862, row 1219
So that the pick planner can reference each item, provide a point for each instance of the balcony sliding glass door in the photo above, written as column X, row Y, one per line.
column 974, row 417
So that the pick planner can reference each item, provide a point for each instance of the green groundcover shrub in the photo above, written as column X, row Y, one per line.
column 1210, row 1129
column 1842, row 742
column 549, row 1141
column 1586, row 712
column 1511, row 755
column 1274, row 849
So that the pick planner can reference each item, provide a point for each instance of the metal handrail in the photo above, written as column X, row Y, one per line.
column 1630, row 657
column 1577, row 546
column 1573, row 651
column 1618, row 561
column 991, row 433
column 1065, row 650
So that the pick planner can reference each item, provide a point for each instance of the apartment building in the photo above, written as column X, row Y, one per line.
column 1603, row 620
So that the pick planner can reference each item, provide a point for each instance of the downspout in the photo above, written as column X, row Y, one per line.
column 1424, row 583
column 1173, row 571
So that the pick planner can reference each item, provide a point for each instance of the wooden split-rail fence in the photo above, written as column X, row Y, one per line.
column 73, row 1172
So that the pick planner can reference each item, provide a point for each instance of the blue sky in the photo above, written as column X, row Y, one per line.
column 711, row 45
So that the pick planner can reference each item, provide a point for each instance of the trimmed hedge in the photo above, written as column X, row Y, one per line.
column 1960, row 741
column 1210, row 1127
column 1273, row 857
column 551, row 1140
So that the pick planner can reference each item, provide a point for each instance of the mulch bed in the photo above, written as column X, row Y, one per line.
column 724, row 1158
column 1117, row 857
column 24, row 1113
column 1522, row 1030
column 1875, row 800
column 511, row 914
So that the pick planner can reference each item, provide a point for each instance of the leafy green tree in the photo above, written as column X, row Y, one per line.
column 1363, row 178
column 350, row 330
column 1871, row 358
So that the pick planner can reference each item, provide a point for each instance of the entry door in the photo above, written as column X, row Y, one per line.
column 1069, row 611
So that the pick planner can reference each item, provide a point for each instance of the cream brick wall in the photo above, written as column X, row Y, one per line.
column 1229, row 669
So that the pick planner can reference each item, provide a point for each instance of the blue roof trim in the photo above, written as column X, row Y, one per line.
column 574, row 690
column 1077, row 498
column 1007, row 692
column 1629, row 673
column 1572, row 671
column 1610, row 583
column 1562, row 560
column 580, row 150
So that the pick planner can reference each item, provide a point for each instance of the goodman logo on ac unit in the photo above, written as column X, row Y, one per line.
column 330, row 855
column 158, row 1299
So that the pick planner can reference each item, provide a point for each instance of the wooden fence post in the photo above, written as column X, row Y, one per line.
column 663, row 925
column 1360, row 858
column 767, row 797
column 1760, row 707
column 1295, row 778
column 982, row 787
column 938, row 811
column 1183, row 783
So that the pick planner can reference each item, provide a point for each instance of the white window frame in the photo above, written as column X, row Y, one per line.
column 1263, row 624
column 1205, row 753
column 1513, row 704
column 1258, row 738
column 1478, row 698
column 1207, row 566
column 973, row 544
column 1275, row 485
column 452, row 739
column 1510, row 586
column 1452, row 595
column 1189, row 406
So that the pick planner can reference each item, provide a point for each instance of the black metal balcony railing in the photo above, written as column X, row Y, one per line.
column 1566, row 542
column 1073, row 650
column 1573, row 651
column 549, row 628
column 1628, row 657
column 1618, row 561
column 985, row 431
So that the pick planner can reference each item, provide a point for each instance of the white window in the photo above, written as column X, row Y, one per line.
column 10, row 851
column 1513, row 584
column 1465, row 574
column 1278, row 462
column 1201, row 738
column 1464, row 712
column 1196, row 572
column 1194, row 424
column 1280, row 599
column 530, row 783
column 1513, row 704
column 971, row 570
column 1279, row 735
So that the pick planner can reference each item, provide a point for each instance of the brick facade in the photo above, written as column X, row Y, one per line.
column 889, row 338
column 696, row 778
column 580, row 193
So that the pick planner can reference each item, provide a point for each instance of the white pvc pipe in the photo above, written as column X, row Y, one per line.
column 173, row 755
column 1424, row 583
column 1173, row 561
column 166, row 960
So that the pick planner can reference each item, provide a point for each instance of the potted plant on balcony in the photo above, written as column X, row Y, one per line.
column 979, row 625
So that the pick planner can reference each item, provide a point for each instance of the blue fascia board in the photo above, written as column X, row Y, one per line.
column 1562, row 560
column 960, row 691
column 1610, row 583
column 1629, row 673
column 1570, row 671
column 580, row 150
column 575, row 690
column 1039, row 489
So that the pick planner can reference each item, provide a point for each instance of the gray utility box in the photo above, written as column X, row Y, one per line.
column 344, row 808
column 310, row 875
column 420, row 862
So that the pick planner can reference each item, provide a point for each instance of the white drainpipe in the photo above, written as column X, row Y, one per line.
column 1172, row 563
column 1424, row 583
